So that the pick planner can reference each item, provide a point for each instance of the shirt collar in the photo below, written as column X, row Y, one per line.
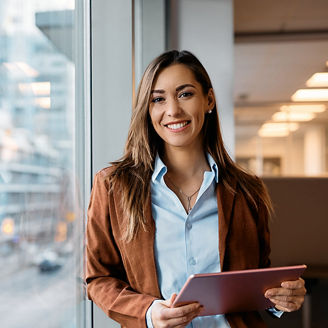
column 160, row 168
column 213, row 166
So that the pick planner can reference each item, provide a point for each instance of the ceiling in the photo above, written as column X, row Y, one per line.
column 279, row 44
column 280, row 16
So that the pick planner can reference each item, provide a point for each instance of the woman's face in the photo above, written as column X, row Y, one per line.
column 178, row 106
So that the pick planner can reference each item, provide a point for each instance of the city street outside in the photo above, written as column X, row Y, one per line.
column 31, row 299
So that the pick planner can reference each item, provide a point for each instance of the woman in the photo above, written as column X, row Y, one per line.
column 174, row 205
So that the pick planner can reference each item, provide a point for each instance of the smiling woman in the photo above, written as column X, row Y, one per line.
column 178, row 107
column 176, row 204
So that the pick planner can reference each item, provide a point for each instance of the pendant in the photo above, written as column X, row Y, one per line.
column 189, row 207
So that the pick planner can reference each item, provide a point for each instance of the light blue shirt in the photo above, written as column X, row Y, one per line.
column 180, row 237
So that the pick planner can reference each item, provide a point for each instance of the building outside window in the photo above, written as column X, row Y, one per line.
column 40, row 240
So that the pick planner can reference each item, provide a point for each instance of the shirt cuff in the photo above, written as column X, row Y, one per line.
column 148, row 315
column 275, row 312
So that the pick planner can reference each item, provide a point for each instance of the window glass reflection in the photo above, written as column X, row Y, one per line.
column 38, row 217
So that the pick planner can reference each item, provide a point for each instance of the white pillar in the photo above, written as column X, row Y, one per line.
column 314, row 150
column 111, row 91
column 206, row 29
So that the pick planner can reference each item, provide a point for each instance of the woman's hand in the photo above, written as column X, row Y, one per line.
column 164, row 316
column 289, row 297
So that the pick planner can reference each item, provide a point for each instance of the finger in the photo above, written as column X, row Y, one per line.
column 178, row 312
column 285, row 292
column 182, row 321
column 291, row 299
column 170, row 301
column 295, row 284
column 286, row 306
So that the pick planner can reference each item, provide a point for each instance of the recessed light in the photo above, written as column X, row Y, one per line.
column 310, row 95
column 277, row 129
column 312, row 108
column 293, row 116
column 38, row 88
column 318, row 80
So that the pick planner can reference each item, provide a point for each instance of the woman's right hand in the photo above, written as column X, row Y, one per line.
column 165, row 316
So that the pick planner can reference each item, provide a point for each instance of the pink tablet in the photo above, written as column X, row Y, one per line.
column 235, row 291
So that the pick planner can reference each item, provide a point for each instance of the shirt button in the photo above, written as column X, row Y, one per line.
column 192, row 261
column 189, row 225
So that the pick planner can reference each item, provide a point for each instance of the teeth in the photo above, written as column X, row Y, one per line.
column 177, row 125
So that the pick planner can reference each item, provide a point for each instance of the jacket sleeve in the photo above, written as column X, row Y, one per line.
column 106, row 280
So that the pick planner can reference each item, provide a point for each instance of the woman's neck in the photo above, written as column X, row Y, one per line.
column 184, row 162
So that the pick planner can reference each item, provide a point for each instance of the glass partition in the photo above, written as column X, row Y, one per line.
column 40, row 218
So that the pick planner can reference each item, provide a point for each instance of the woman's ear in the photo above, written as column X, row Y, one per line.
column 211, row 99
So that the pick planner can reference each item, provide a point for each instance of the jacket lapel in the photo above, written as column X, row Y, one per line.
column 148, row 249
column 225, row 199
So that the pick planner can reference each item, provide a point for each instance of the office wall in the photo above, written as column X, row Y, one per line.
column 111, row 78
column 111, row 27
column 206, row 29
column 299, row 226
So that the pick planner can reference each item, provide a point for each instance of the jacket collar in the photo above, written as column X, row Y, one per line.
column 225, row 199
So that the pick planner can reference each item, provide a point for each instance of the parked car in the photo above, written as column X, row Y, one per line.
column 48, row 261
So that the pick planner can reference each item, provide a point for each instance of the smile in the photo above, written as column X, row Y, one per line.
column 177, row 126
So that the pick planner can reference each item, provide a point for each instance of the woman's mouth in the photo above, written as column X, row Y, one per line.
column 177, row 126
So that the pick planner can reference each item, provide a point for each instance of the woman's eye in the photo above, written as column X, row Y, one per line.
column 157, row 99
column 185, row 94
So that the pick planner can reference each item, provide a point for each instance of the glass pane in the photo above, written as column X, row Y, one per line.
column 39, row 217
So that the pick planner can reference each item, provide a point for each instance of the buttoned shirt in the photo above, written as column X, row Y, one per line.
column 185, row 244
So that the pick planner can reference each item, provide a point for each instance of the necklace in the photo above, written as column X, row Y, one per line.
column 189, row 208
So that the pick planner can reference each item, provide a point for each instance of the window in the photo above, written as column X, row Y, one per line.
column 40, row 218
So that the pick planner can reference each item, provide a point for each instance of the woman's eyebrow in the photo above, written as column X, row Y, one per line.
column 184, row 86
column 179, row 88
column 157, row 91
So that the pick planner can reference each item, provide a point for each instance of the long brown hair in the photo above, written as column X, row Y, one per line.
column 132, row 173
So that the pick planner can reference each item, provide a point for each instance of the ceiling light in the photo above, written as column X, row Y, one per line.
column 310, row 95
column 293, row 116
column 312, row 108
column 277, row 129
column 38, row 88
column 318, row 80
column 11, row 67
column 43, row 102
column 18, row 67
column 27, row 69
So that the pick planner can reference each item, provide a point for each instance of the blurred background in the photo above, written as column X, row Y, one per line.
column 280, row 90
column 40, row 219
column 68, row 74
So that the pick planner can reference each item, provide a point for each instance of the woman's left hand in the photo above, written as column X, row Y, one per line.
column 289, row 297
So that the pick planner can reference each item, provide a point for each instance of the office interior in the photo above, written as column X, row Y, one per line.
column 69, row 70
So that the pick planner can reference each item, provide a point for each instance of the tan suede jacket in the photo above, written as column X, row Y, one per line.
column 122, row 278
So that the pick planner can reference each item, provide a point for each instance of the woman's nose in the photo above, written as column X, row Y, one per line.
column 173, row 108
